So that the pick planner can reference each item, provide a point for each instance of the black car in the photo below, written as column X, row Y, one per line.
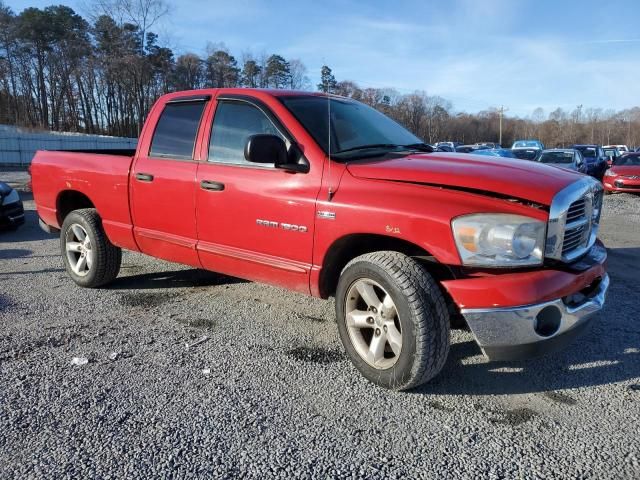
column 470, row 148
column 526, row 153
column 11, row 209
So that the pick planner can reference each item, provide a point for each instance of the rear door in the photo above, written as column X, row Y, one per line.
column 163, row 183
column 254, row 221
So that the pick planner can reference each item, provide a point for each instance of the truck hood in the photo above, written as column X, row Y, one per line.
column 509, row 177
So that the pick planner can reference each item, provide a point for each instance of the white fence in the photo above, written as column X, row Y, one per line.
column 18, row 146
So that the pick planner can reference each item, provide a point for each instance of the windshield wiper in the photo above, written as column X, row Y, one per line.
column 366, row 147
column 423, row 147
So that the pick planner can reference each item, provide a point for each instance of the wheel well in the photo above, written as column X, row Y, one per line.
column 70, row 200
column 345, row 249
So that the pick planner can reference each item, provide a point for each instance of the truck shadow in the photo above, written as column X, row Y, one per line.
column 608, row 352
column 172, row 279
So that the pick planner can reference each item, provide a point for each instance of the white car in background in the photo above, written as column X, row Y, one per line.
column 621, row 148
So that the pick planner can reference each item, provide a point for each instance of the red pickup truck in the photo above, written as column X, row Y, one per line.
column 326, row 196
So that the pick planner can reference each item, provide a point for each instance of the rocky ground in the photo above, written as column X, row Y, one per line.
column 268, row 391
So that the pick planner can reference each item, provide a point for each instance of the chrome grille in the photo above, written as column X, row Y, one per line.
column 573, row 220
column 574, row 238
column 577, row 226
column 576, row 210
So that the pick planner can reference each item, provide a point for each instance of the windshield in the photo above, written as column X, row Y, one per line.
column 627, row 161
column 526, row 144
column 556, row 157
column 610, row 152
column 354, row 125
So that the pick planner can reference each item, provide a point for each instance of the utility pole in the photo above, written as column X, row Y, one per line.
column 501, row 114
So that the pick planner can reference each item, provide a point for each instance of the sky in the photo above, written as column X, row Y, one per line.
column 478, row 54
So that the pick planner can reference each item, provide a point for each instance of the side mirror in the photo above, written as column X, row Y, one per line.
column 266, row 148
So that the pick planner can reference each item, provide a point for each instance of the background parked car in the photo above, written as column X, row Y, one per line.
column 496, row 152
column 488, row 144
column 624, row 174
column 596, row 162
column 526, row 153
column 11, row 209
column 447, row 146
column 621, row 148
column 470, row 148
column 567, row 158
column 611, row 153
column 444, row 148
column 528, row 144
column 527, row 149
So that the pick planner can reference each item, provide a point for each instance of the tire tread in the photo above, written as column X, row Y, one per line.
column 108, row 257
column 429, row 312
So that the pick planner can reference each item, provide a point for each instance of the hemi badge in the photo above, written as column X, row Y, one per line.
column 326, row 215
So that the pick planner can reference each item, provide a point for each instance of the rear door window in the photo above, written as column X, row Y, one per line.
column 176, row 131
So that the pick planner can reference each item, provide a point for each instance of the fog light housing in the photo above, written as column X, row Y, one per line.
column 548, row 321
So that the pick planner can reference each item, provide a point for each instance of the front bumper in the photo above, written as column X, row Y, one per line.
column 516, row 333
column 622, row 184
column 12, row 215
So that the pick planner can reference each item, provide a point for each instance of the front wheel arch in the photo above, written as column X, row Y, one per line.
column 346, row 248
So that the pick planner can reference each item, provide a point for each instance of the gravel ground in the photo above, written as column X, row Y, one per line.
column 280, row 398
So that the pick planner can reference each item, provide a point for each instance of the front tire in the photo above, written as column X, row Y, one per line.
column 90, row 258
column 392, row 319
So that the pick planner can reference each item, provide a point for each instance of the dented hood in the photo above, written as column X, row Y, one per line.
column 521, row 179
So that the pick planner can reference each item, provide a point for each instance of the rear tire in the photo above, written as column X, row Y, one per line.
column 90, row 258
column 392, row 319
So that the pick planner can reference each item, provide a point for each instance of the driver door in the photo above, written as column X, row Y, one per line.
column 254, row 221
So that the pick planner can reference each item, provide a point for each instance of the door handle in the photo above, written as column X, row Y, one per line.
column 144, row 177
column 212, row 186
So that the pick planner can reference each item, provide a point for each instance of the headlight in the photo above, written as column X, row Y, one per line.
column 499, row 240
column 609, row 173
column 11, row 198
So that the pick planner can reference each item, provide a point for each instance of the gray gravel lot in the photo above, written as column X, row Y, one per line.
column 281, row 399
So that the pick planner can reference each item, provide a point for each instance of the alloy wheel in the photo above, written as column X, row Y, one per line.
column 78, row 249
column 373, row 324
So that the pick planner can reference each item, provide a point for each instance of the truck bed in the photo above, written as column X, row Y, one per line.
column 101, row 177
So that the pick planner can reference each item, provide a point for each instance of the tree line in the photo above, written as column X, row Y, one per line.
column 101, row 74
column 61, row 71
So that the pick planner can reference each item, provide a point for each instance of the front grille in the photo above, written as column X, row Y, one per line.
column 576, row 211
column 581, row 216
column 573, row 239
column 573, row 220
column 622, row 185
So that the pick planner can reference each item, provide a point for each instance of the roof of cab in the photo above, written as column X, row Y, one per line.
column 241, row 91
